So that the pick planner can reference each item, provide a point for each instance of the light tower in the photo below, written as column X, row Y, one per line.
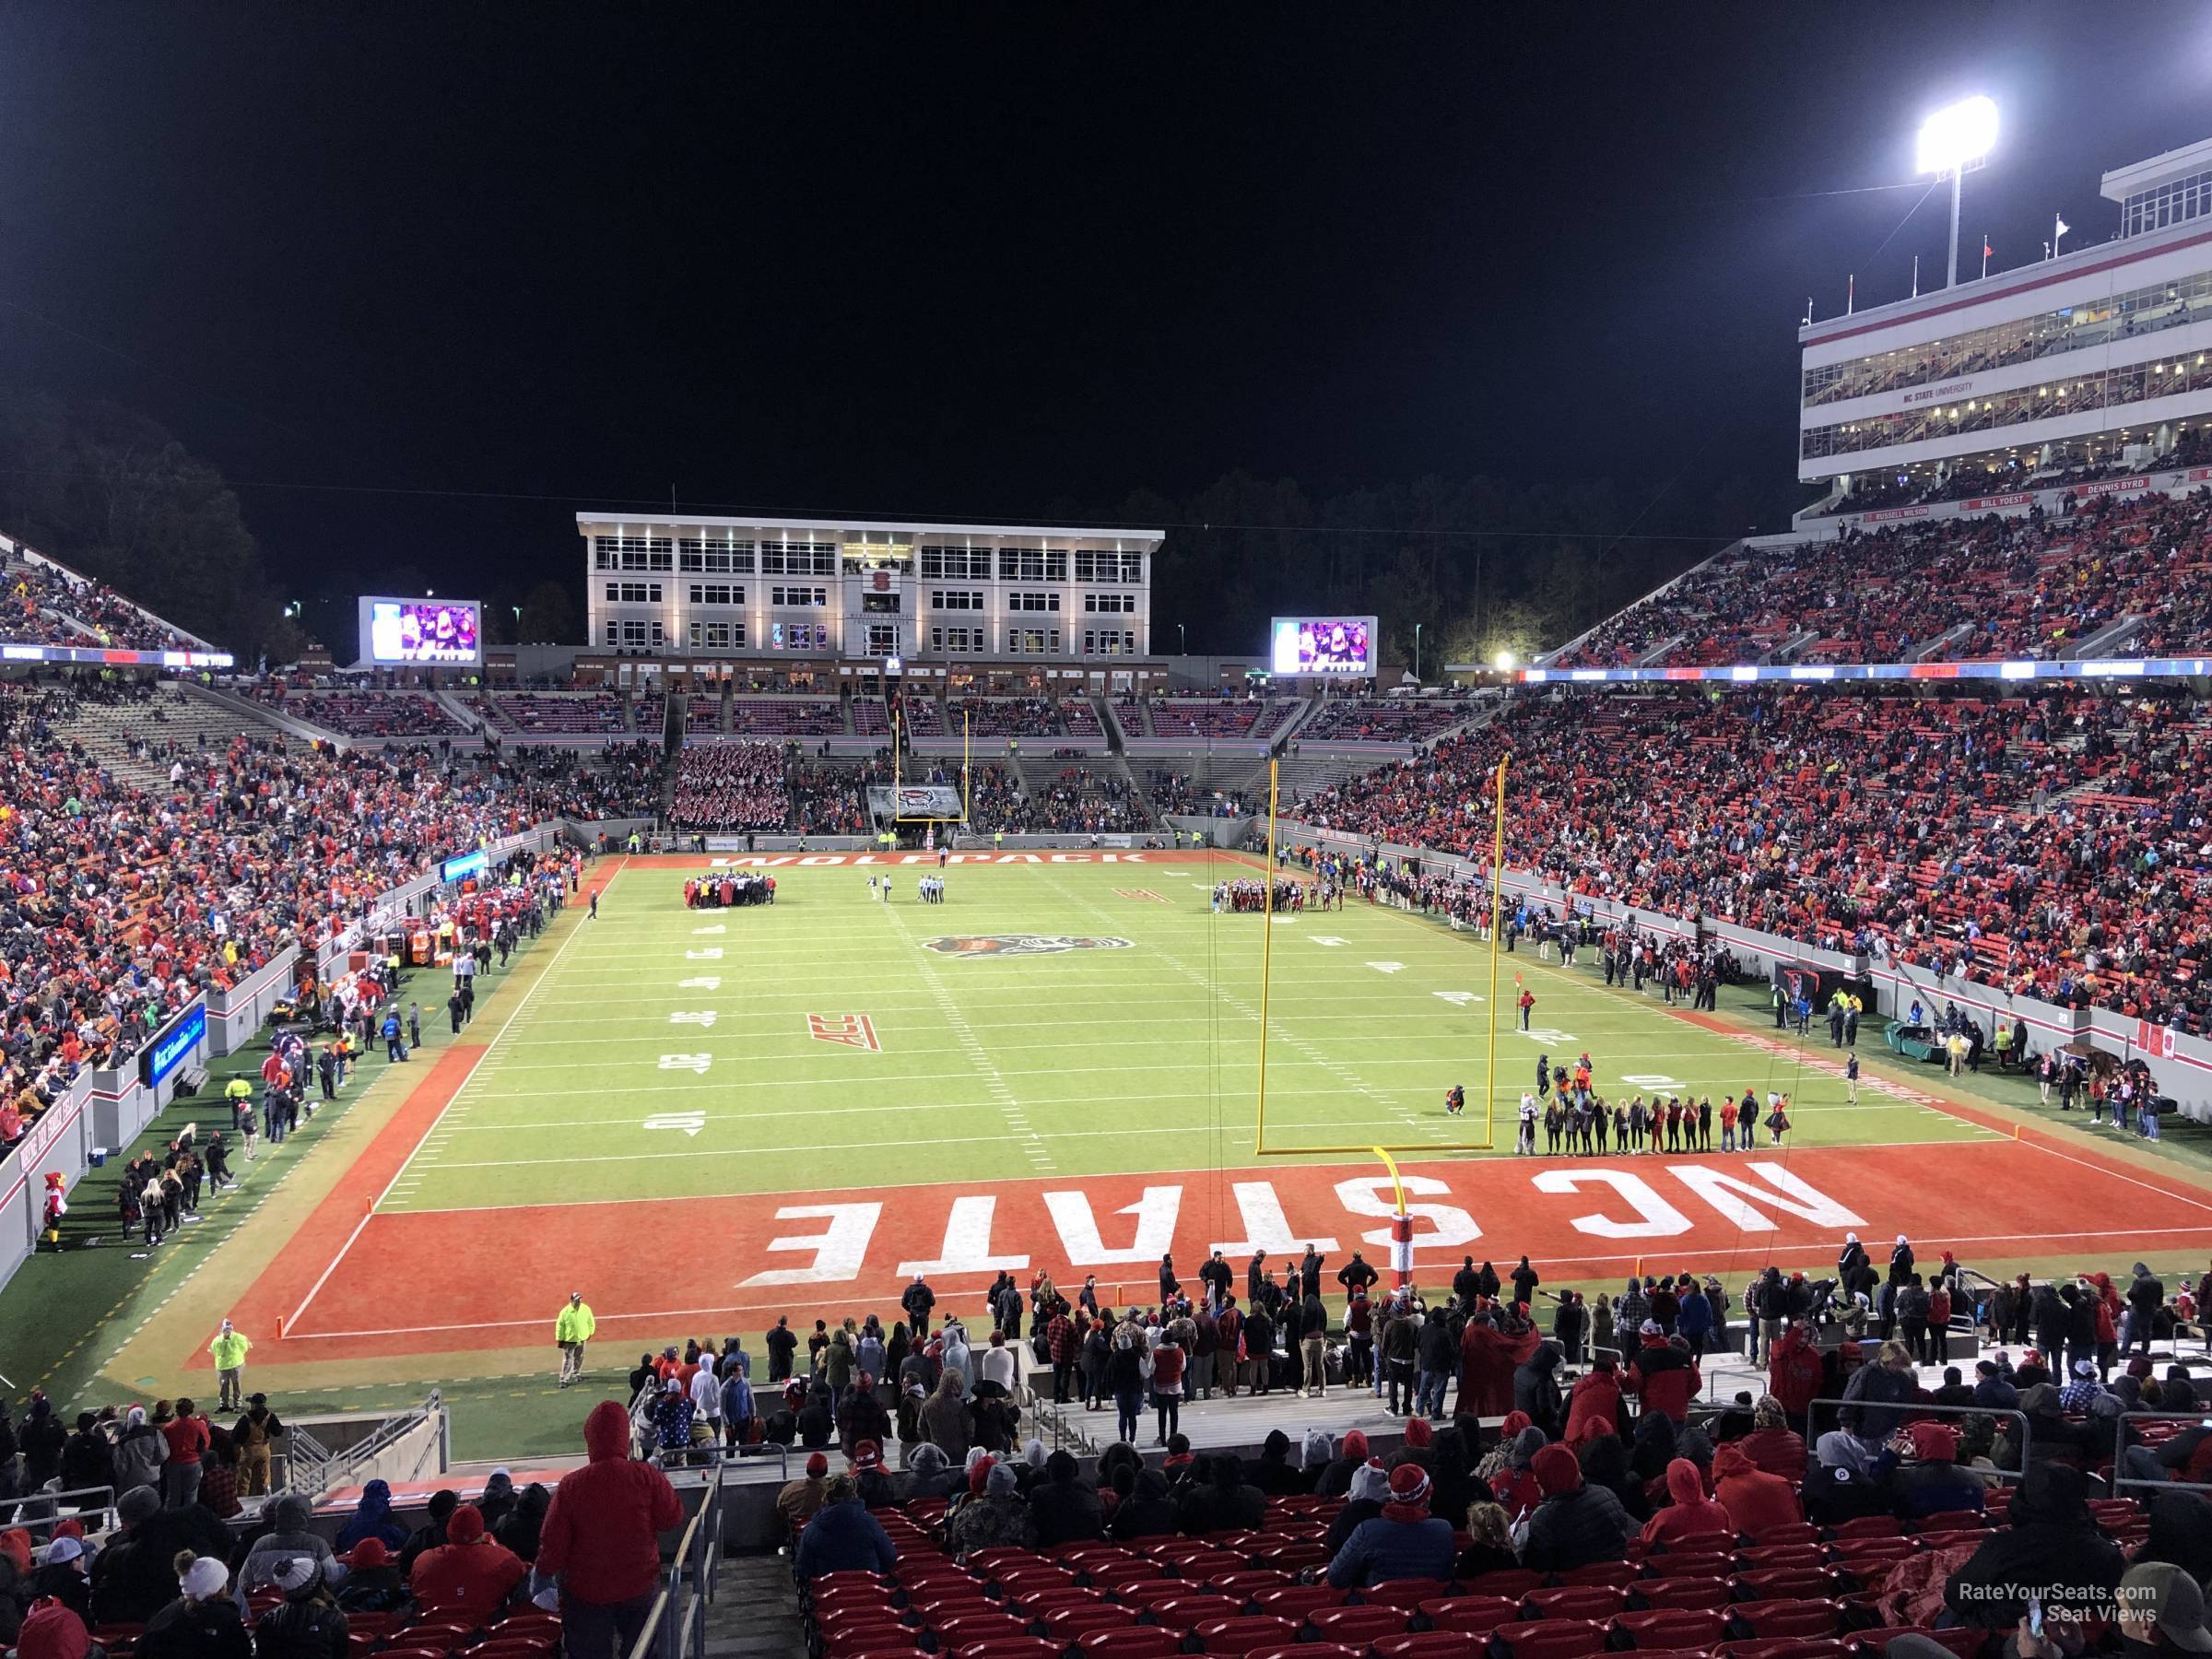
column 1954, row 142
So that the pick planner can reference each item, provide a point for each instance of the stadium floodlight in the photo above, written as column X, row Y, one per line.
column 1953, row 142
column 1505, row 662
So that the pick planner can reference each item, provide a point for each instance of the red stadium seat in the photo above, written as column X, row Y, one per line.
column 1787, row 1647
column 1357, row 1625
column 955, row 1633
column 1128, row 1569
column 1138, row 1642
column 1188, row 1612
column 1700, row 1565
column 1309, row 1650
column 1672, row 1626
column 1294, row 1557
column 1681, row 1592
column 1025, row 1647
column 863, row 1638
column 1779, row 1555
column 1574, row 1601
column 1769, row 1618
column 1075, row 1619
column 1211, row 1563
column 1549, row 1639
column 1965, row 1642
column 1772, row 1584
column 1252, row 1581
column 1618, row 1574
column 1245, row 1633
column 1867, row 1526
column 1515, row 1582
column 1793, row 1532
column 1945, row 1521
column 1432, row 1644
column 1474, row 1615
column 1408, row 1594
column 1295, row 1601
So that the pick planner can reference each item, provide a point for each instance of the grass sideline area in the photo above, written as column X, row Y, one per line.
column 1058, row 1062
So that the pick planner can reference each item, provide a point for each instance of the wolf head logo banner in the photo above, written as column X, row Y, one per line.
column 1002, row 945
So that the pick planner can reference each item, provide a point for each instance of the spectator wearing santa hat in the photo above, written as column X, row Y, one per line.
column 469, row 1574
column 203, row 1622
column 373, row 1583
column 1663, row 1375
column 868, row 1476
column 1404, row 1541
column 1931, row 1482
column 1575, row 1525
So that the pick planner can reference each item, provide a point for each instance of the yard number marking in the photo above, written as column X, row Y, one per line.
column 1457, row 998
column 1388, row 967
column 1654, row 1080
column 698, row 1017
column 690, row 1063
column 1326, row 939
column 691, row 1122
column 699, row 984
column 719, row 927
column 1550, row 1036
column 712, row 953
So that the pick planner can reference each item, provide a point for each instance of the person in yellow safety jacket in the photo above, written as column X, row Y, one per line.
column 228, row 1351
column 571, row 1331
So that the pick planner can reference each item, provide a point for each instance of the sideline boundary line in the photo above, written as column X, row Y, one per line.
column 368, row 1215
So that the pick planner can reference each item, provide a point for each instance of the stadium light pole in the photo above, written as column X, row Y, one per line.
column 1953, row 141
column 1417, row 652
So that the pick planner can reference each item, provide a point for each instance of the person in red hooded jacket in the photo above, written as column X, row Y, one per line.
column 1688, row 1514
column 1794, row 1371
column 1755, row 1499
column 1595, row 1407
column 601, row 1539
column 1488, row 1354
column 2107, row 1325
column 468, row 1573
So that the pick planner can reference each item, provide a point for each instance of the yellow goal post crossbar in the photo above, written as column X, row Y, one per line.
column 1261, row 1148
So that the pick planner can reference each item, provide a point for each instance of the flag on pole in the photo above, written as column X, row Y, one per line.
column 1915, row 276
column 1988, row 254
column 2058, row 229
column 1851, row 287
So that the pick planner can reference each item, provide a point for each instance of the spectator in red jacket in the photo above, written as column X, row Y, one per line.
column 1688, row 1514
column 601, row 1539
column 1595, row 1407
column 468, row 1573
column 1794, row 1373
column 1753, row 1499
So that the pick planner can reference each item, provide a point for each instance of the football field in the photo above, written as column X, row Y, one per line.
column 705, row 1118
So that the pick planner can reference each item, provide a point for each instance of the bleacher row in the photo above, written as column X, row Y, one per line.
column 512, row 1633
column 1794, row 1592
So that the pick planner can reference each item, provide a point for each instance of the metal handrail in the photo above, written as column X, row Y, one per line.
column 35, row 1510
column 676, row 1626
column 337, row 1465
column 1924, row 1408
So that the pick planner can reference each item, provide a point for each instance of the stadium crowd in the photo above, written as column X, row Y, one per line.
column 42, row 605
column 1939, row 834
column 2034, row 586
column 119, row 903
column 731, row 786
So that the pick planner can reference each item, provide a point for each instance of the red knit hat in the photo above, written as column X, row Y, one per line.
column 816, row 1466
column 867, row 1454
column 1409, row 1483
column 1354, row 1446
column 466, row 1527
column 1556, row 1471
column 53, row 1632
column 373, row 1552
column 1419, row 1431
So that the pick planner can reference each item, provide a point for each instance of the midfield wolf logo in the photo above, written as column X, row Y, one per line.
column 1004, row 944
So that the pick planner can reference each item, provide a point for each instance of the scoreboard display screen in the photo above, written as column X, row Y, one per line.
column 437, row 633
column 1324, row 645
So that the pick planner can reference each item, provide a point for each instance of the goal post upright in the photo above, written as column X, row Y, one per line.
column 1489, row 1087
column 1260, row 1146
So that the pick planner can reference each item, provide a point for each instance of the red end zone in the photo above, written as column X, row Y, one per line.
column 442, row 1282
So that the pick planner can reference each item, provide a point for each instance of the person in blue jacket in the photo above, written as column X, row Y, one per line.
column 1404, row 1541
column 843, row 1537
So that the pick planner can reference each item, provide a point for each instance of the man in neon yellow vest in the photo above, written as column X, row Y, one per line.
column 228, row 1351
column 571, row 1331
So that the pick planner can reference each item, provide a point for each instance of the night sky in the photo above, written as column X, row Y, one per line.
column 425, row 279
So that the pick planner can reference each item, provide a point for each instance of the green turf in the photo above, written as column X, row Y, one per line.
column 1085, row 1062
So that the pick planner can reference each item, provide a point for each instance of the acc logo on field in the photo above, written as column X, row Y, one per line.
column 998, row 945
